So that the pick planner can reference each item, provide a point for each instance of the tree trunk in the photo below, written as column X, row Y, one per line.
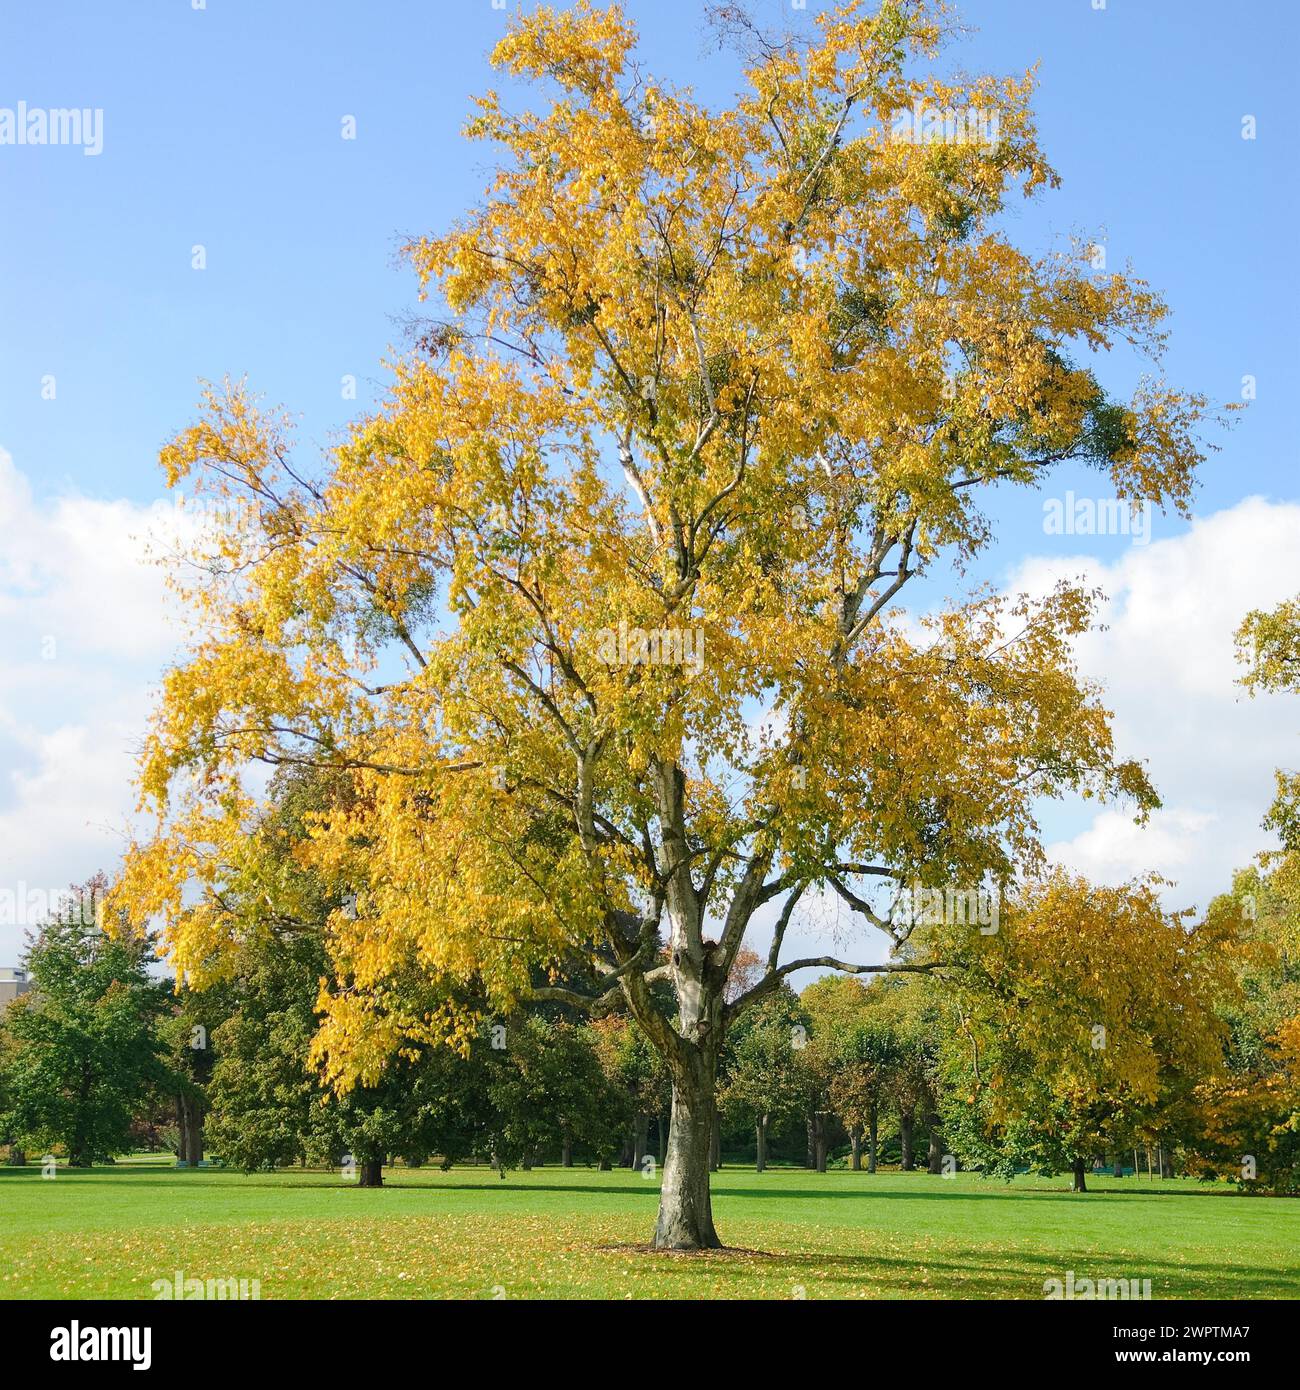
column 526, row 1161
column 936, row 1144
column 661, row 1138
column 685, row 1209
column 685, row 1220
column 566, row 1154
column 873, row 1129
column 715, row 1144
column 760, row 1135
column 370, row 1173
column 855, row 1151
column 905, row 1139
column 810, row 1160
column 819, row 1142
column 1080, row 1182
column 79, row 1148
column 640, row 1138
column 194, row 1129
column 17, row 1158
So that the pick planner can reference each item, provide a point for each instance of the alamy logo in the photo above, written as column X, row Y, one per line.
column 657, row 646
column 77, row 1343
column 179, row 1287
column 23, row 906
column 39, row 125
column 920, row 124
column 1091, row 1289
column 918, row 906
column 1097, row 516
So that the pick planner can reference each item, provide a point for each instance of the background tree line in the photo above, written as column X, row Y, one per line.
column 1092, row 1026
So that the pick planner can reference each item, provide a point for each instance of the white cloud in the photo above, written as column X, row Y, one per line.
column 1166, row 660
column 85, row 619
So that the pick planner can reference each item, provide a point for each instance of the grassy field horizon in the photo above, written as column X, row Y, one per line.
column 111, row 1232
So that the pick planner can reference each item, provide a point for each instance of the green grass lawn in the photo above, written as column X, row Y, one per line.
column 571, row 1233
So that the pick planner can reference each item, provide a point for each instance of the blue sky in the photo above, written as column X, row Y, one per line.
column 222, row 128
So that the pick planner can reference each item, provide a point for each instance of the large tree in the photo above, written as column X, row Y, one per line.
column 704, row 392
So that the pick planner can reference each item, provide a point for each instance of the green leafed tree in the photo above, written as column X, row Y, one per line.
column 83, row 1053
column 765, row 1080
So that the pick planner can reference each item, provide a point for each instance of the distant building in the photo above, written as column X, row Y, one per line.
column 13, row 982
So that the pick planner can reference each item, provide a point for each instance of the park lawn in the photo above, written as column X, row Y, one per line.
column 575, row 1233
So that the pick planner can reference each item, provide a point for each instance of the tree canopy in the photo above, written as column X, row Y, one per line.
column 596, row 617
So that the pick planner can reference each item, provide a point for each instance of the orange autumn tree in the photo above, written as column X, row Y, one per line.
column 709, row 388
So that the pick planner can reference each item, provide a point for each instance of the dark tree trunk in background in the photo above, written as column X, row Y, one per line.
column 640, row 1138
column 905, row 1122
column 194, row 1131
column 855, row 1151
column 760, row 1136
column 370, row 1173
column 79, row 1147
column 604, row 1166
column 566, row 1154
column 873, row 1129
column 936, row 1143
column 1080, row 1180
column 819, row 1143
column 17, row 1158
column 810, row 1160
column 715, row 1144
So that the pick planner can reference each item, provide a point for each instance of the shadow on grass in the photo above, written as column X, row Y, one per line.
column 295, row 1180
column 1017, row 1274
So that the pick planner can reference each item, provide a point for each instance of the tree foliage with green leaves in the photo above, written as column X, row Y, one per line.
column 83, row 1051
column 765, row 1078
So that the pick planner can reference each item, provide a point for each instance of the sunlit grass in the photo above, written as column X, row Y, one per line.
column 572, row 1233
